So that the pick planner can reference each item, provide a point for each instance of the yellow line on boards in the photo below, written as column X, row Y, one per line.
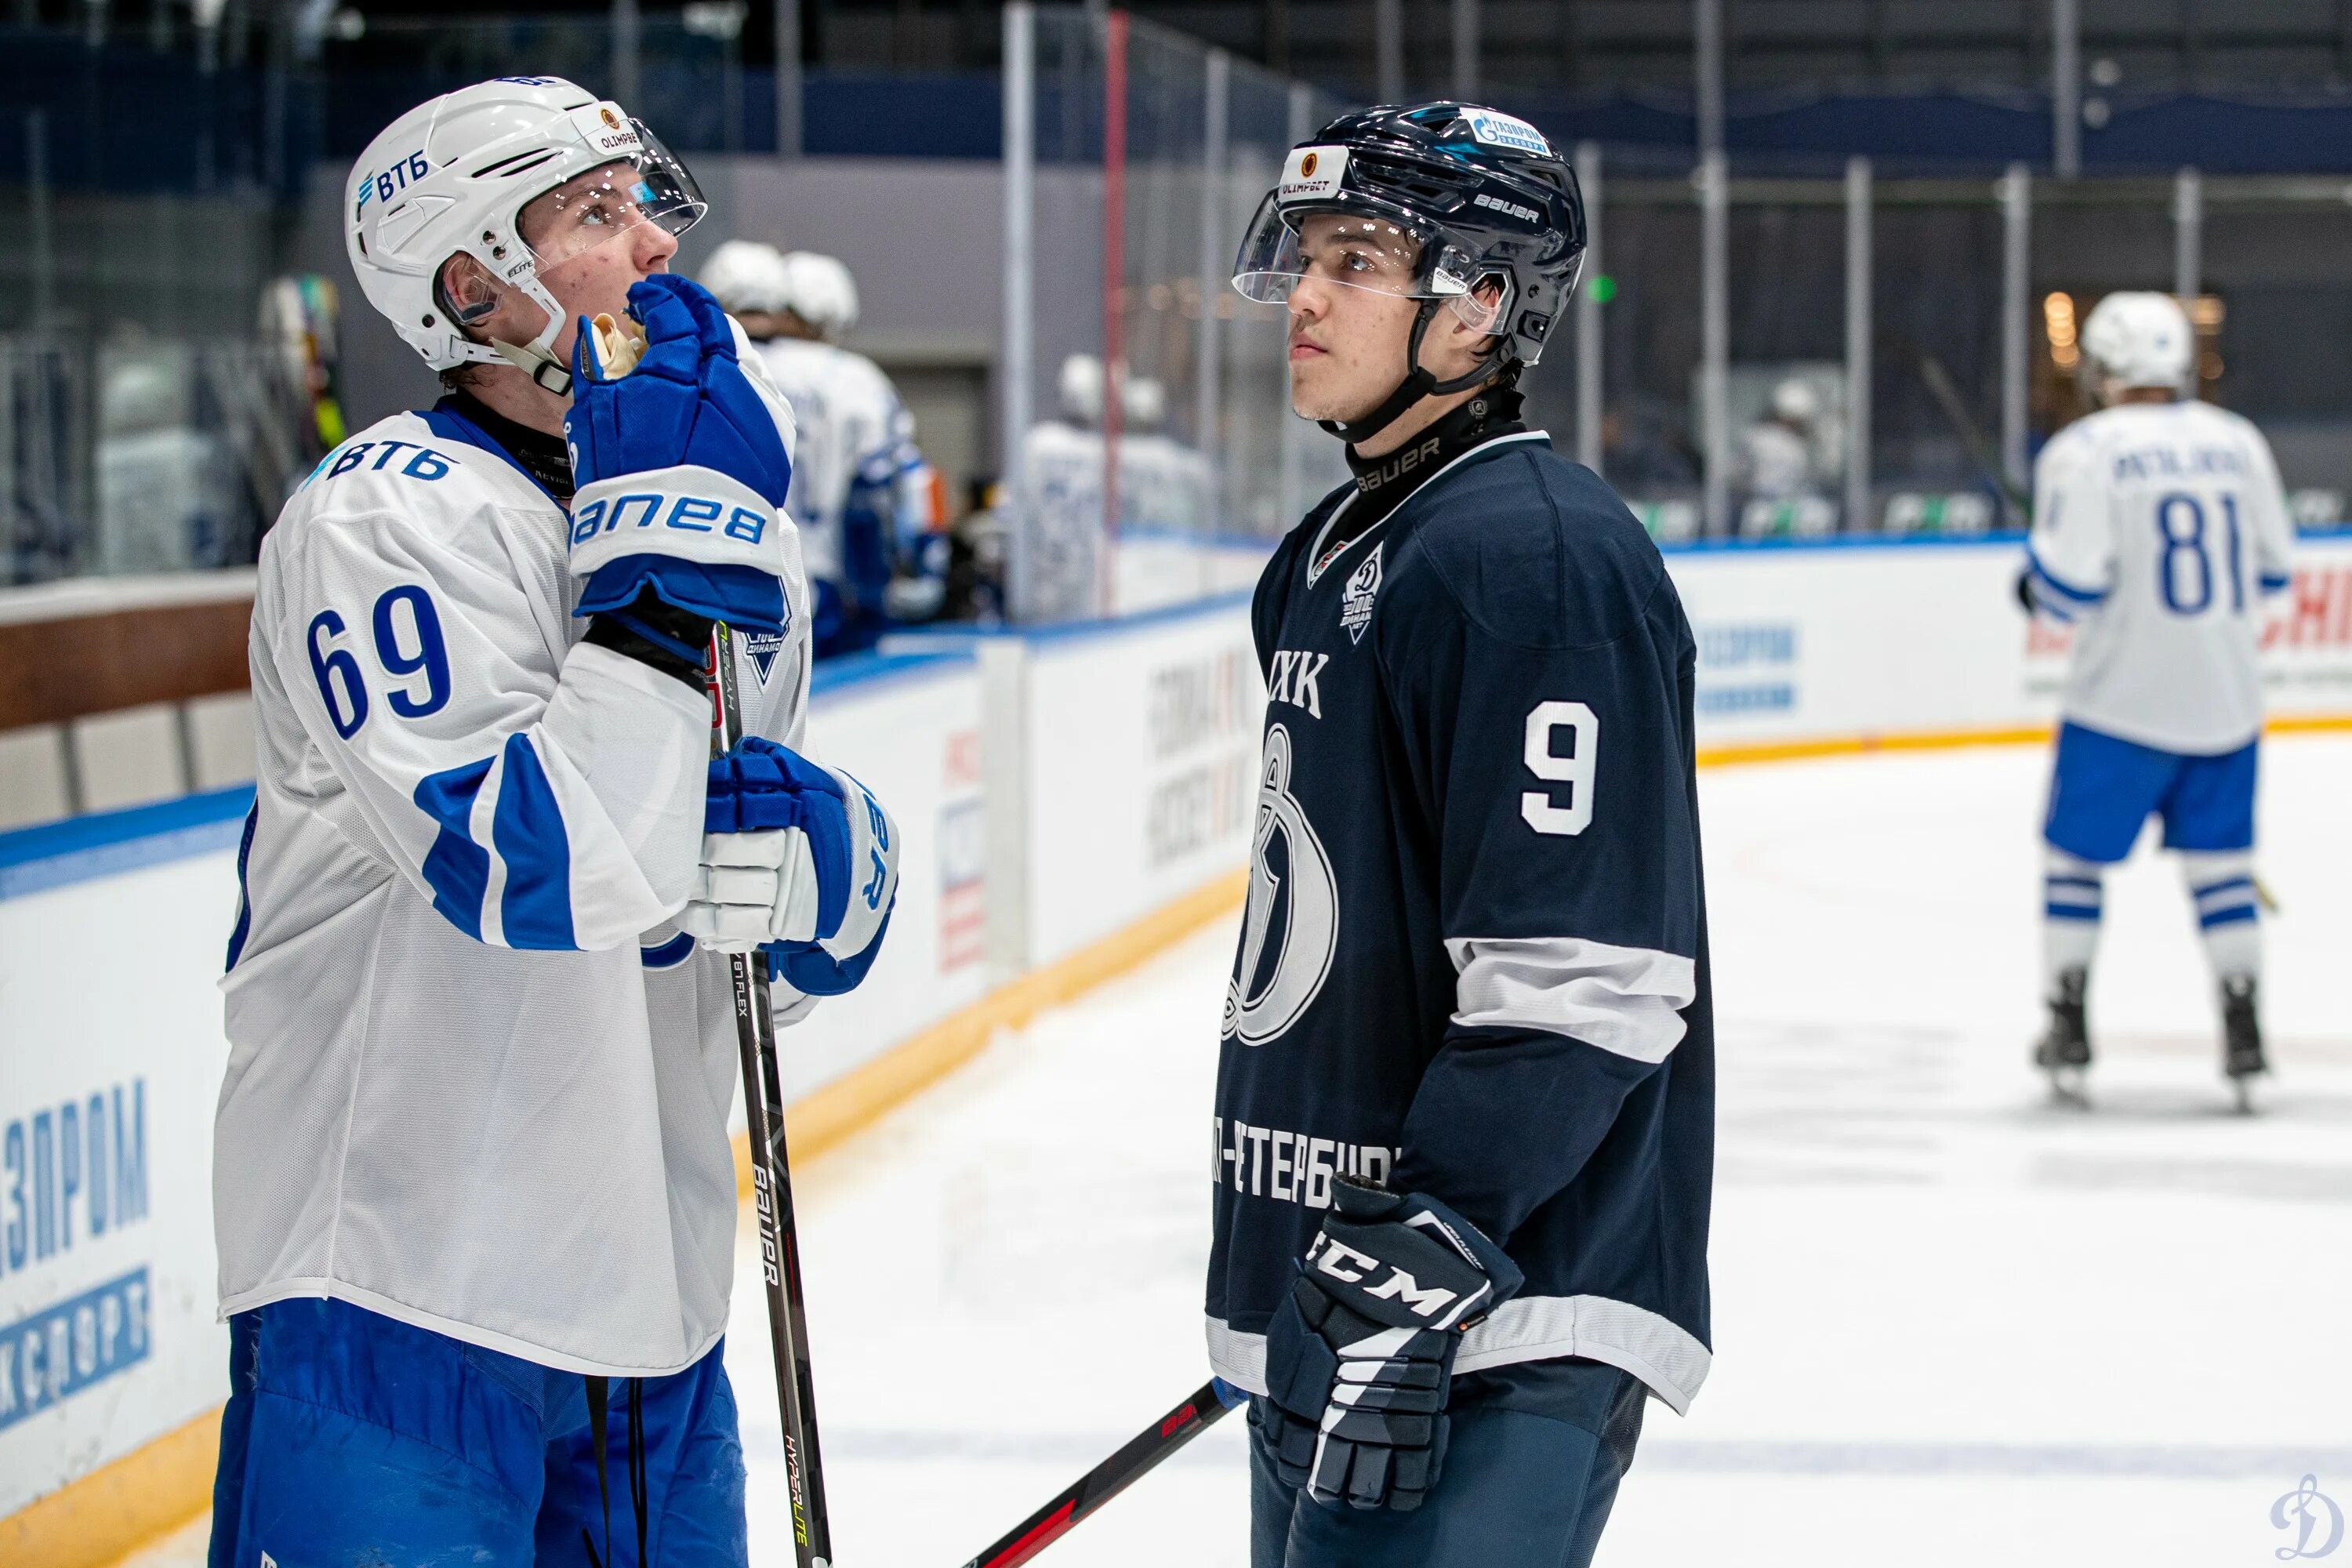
column 1737, row 753
column 860, row 1098
column 114, row 1511
column 118, row 1507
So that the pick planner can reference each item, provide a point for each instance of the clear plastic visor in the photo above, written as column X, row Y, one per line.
column 1352, row 249
column 591, row 209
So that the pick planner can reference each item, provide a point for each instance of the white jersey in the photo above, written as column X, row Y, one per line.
column 477, row 1081
column 852, row 428
column 1164, row 485
column 1058, row 500
column 2158, row 529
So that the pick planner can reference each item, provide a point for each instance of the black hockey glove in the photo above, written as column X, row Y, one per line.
column 1359, row 1357
column 2023, row 589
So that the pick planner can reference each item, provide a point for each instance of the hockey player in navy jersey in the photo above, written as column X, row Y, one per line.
column 1464, row 1121
column 2159, row 530
column 471, row 1165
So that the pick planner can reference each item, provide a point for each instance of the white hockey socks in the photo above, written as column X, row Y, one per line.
column 2228, row 914
column 2072, row 894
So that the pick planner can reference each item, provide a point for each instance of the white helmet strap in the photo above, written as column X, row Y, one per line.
column 536, row 359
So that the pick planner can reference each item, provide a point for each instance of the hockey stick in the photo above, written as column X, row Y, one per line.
column 772, row 1186
column 1948, row 397
column 1202, row 1407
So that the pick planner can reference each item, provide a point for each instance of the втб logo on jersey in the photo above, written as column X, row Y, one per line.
column 1292, row 925
column 1356, row 598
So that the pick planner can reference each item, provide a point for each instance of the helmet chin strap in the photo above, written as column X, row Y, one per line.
column 1417, row 385
column 536, row 359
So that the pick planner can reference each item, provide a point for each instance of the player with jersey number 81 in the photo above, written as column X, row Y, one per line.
column 2160, row 529
column 1464, row 1107
column 473, row 1179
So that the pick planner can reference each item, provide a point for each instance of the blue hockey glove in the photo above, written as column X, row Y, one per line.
column 798, row 861
column 680, row 467
column 1360, row 1358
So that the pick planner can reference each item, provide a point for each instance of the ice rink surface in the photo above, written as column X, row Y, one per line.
column 1954, row 1324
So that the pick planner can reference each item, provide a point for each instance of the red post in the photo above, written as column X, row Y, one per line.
column 1114, row 285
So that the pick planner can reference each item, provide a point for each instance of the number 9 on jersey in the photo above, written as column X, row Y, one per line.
column 1542, row 808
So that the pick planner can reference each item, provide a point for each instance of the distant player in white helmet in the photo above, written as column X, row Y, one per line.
column 868, row 502
column 1777, row 449
column 1057, row 494
column 747, row 278
column 472, row 1176
column 2159, row 527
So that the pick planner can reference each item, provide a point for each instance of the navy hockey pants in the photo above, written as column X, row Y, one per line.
column 352, row 1440
column 1518, row 1490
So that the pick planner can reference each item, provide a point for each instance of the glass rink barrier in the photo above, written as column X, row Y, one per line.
column 1893, row 352
column 1134, row 158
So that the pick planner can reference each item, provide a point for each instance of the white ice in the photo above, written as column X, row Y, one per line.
column 1954, row 1324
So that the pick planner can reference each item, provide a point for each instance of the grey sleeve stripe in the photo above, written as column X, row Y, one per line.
column 1622, row 999
column 1671, row 1361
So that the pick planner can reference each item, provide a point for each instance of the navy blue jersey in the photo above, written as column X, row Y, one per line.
column 1473, row 963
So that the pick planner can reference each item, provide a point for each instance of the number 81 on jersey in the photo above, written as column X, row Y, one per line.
column 1542, row 808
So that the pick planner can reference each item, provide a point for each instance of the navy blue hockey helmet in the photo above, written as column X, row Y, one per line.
column 1488, row 219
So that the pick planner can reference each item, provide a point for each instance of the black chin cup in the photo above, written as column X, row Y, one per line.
column 1417, row 385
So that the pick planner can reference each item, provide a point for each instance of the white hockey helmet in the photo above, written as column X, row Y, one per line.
column 1796, row 402
column 2138, row 338
column 1144, row 401
column 820, row 291
column 454, row 175
column 745, row 275
column 1081, row 386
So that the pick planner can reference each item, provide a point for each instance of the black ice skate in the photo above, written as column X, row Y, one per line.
column 2065, row 1049
column 2241, row 1039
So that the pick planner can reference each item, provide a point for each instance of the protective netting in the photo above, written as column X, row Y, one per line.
column 1953, row 421
column 1152, row 152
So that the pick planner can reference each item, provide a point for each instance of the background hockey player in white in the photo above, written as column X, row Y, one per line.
column 868, row 502
column 472, row 1155
column 2160, row 528
column 1059, row 566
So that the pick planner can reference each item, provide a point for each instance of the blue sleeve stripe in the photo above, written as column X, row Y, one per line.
column 457, row 869
column 2044, row 576
column 2276, row 581
column 243, row 894
column 2051, row 604
column 668, row 955
column 527, row 826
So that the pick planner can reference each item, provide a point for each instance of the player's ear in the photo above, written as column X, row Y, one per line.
column 467, row 292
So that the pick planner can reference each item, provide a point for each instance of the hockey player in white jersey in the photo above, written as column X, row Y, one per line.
column 472, row 1160
column 1059, row 571
column 2160, row 528
column 867, row 500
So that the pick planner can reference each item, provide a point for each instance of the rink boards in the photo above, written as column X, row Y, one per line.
column 1062, row 791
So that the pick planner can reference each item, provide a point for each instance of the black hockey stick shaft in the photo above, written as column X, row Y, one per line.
column 1191, row 1417
column 772, row 1187
column 1972, row 436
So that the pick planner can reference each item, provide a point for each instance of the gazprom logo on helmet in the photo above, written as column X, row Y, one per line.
column 1495, row 129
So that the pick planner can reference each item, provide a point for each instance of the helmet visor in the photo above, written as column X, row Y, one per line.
column 1354, row 249
column 645, row 183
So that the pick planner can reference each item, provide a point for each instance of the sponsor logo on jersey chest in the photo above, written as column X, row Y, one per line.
column 1356, row 599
